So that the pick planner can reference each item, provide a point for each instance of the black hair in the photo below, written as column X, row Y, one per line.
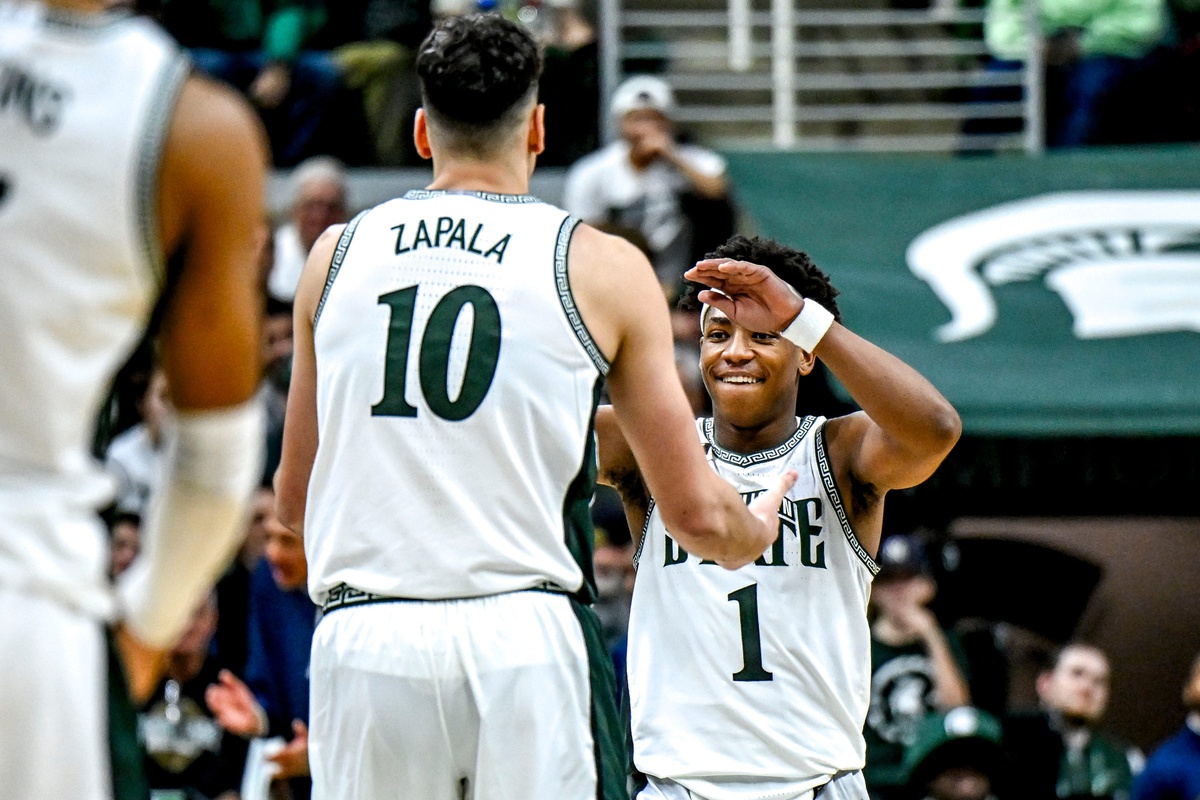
column 476, row 72
column 793, row 266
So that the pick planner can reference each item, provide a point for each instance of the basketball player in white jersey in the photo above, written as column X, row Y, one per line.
column 112, row 159
column 438, row 455
column 753, row 684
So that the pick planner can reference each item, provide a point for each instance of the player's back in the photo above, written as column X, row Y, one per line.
column 456, row 386
column 85, row 102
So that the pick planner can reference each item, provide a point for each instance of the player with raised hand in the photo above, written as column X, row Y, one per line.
column 438, row 456
column 114, row 161
column 754, row 683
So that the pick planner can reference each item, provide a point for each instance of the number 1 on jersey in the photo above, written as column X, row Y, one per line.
column 752, row 666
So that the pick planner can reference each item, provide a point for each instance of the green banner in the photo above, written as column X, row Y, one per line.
column 1046, row 296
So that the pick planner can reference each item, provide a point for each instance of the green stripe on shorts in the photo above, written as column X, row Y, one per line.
column 124, row 749
column 608, row 731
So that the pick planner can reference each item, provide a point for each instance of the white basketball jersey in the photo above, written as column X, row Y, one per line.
column 456, row 385
column 755, row 683
column 85, row 102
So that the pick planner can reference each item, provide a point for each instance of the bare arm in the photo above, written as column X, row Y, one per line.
column 615, row 289
column 906, row 427
column 618, row 469
column 209, row 205
column 300, row 424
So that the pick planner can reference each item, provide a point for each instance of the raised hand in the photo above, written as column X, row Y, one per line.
column 292, row 760
column 233, row 704
column 749, row 294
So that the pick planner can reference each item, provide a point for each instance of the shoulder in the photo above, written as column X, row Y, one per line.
column 593, row 164
column 213, row 118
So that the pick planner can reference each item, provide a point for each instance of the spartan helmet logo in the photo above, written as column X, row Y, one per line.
column 1125, row 263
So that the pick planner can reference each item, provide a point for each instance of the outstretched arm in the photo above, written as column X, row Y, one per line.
column 905, row 428
column 625, row 312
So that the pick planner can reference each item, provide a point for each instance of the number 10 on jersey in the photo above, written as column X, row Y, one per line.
column 433, row 366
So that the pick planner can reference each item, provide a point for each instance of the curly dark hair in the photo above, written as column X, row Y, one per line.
column 477, row 71
column 793, row 266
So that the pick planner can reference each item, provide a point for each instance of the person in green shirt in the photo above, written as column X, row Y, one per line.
column 917, row 668
column 1090, row 47
column 266, row 49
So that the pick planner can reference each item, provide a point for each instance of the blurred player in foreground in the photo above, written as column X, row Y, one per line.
column 754, row 683
column 440, row 461
column 112, row 160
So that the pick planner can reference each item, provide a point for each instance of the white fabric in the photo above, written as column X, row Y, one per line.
column 54, row 736
column 729, row 739
column 290, row 255
column 428, row 699
column 809, row 326
column 850, row 786
column 421, row 506
column 607, row 180
column 135, row 463
column 79, row 266
column 196, row 519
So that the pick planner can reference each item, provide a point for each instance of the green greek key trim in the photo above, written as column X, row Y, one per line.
column 335, row 265
column 762, row 456
column 563, row 281
column 835, row 499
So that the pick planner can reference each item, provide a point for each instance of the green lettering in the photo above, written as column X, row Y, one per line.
column 498, row 248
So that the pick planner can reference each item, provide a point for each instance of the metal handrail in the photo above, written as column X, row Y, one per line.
column 742, row 62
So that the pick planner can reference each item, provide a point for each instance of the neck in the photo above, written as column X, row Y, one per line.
column 503, row 175
column 753, row 438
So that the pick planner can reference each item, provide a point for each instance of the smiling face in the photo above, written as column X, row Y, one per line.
column 751, row 377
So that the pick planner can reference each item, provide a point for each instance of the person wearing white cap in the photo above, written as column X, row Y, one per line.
column 637, row 181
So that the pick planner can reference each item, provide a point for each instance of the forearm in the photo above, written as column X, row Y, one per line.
column 196, row 519
column 906, row 407
column 712, row 187
column 950, row 688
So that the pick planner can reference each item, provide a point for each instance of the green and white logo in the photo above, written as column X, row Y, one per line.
column 1126, row 263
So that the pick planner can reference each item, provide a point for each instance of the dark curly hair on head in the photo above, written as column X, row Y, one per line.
column 477, row 71
column 793, row 266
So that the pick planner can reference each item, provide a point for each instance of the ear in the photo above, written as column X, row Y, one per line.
column 805, row 362
column 537, row 130
column 421, row 135
column 1043, row 685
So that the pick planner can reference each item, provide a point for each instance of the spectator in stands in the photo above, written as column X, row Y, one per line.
column 570, row 84
column 646, row 180
column 124, row 541
column 135, row 455
column 916, row 668
column 955, row 756
column 186, row 750
column 1090, row 49
column 1173, row 770
column 233, row 590
column 1057, row 752
column 259, row 46
column 318, row 200
column 379, row 64
column 273, row 700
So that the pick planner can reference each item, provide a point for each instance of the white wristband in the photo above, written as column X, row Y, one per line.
column 809, row 327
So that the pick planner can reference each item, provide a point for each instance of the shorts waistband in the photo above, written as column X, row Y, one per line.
column 344, row 596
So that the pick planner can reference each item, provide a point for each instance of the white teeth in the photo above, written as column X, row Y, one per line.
column 740, row 379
